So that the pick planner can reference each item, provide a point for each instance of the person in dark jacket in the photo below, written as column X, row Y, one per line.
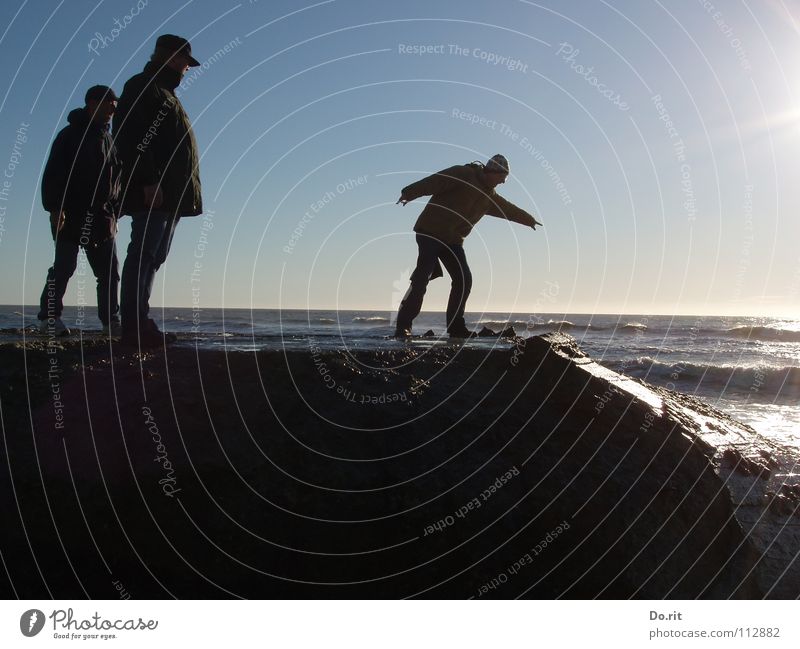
column 161, row 179
column 460, row 197
column 80, row 190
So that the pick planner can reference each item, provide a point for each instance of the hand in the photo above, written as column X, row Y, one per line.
column 153, row 196
column 401, row 201
column 56, row 222
column 535, row 223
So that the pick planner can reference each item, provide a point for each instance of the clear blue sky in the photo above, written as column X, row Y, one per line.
column 329, row 105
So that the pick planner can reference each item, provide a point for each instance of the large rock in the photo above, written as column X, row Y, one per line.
column 432, row 471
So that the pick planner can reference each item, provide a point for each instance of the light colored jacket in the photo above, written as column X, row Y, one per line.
column 459, row 199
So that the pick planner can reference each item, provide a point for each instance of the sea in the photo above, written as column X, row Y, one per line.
column 748, row 367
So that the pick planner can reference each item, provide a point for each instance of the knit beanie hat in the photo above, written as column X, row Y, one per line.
column 497, row 164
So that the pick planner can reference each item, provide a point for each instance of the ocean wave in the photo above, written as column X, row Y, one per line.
column 304, row 319
column 765, row 333
column 531, row 326
column 561, row 324
column 632, row 326
column 371, row 319
column 760, row 380
column 492, row 324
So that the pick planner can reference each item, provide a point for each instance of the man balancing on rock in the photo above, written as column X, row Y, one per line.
column 460, row 196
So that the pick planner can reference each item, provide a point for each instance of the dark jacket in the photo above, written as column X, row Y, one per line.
column 459, row 199
column 82, row 174
column 156, row 143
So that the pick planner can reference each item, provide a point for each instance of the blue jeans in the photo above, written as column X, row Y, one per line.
column 452, row 256
column 151, row 238
column 103, row 262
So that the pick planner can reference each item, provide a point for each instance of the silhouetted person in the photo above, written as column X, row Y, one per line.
column 81, row 190
column 460, row 196
column 161, row 178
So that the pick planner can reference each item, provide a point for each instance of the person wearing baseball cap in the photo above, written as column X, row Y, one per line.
column 161, row 178
column 81, row 191
column 460, row 196
column 104, row 98
column 168, row 45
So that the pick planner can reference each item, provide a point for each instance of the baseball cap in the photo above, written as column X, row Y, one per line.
column 100, row 93
column 173, row 44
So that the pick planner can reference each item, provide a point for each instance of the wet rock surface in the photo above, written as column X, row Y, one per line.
column 443, row 471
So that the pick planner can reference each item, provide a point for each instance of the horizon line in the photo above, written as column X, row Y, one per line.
column 434, row 311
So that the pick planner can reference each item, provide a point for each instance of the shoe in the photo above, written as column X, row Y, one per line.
column 152, row 327
column 462, row 333
column 148, row 336
column 113, row 329
column 402, row 332
column 57, row 328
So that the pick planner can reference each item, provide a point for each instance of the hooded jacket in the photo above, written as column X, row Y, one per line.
column 82, row 173
column 156, row 143
column 459, row 199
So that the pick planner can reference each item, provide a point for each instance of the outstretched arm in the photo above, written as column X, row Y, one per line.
column 433, row 184
column 504, row 209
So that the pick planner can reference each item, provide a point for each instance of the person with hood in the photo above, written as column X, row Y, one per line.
column 460, row 196
column 161, row 179
column 80, row 190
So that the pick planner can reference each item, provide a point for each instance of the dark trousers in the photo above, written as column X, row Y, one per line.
column 151, row 238
column 103, row 261
column 452, row 256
